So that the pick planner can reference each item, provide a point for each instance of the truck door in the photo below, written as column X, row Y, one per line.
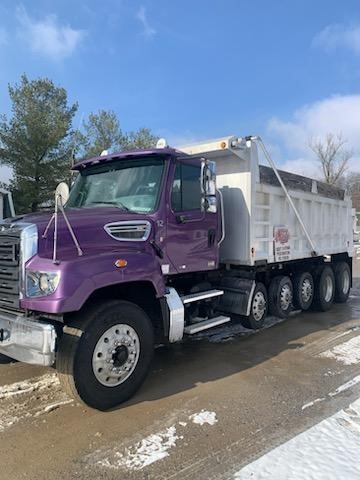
column 192, row 234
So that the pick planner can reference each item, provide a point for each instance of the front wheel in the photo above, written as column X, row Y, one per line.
column 104, row 356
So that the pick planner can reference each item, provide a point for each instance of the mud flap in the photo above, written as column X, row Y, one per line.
column 237, row 295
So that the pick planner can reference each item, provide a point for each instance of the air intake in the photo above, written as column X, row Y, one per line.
column 133, row 231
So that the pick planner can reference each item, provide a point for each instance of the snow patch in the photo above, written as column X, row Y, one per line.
column 52, row 407
column 342, row 388
column 149, row 450
column 327, row 451
column 29, row 386
column 29, row 399
column 347, row 353
column 204, row 417
column 346, row 386
column 310, row 404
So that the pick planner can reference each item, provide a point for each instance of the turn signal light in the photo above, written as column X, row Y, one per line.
column 120, row 263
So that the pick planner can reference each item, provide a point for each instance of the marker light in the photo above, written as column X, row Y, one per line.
column 121, row 263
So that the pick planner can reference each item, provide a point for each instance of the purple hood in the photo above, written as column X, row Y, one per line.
column 88, row 225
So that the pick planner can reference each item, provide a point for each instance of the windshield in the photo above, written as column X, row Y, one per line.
column 132, row 185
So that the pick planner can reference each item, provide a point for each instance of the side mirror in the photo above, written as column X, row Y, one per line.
column 62, row 193
column 208, row 186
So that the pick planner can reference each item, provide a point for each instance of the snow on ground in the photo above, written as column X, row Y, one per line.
column 342, row 388
column 149, row 450
column 347, row 353
column 204, row 417
column 28, row 386
column 327, row 451
column 29, row 399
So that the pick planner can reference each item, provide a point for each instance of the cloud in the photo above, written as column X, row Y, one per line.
column 3, row 37
column 337, row 36
column 142, row 17
column 47, row 37
column 337, row 114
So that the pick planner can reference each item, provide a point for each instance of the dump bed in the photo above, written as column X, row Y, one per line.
column 260, row 223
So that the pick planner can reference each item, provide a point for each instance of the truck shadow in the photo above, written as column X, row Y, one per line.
column 231, row 350
column 5, row 360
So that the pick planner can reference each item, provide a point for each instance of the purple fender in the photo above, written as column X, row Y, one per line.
column 83, row 276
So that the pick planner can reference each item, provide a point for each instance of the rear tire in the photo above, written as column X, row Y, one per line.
column 324, row 288
column 280, row 296
column 258, row 308
column 105, row 355
column 303, row 283
column 342, row 274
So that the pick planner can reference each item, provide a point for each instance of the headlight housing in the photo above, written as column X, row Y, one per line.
column 39, row 284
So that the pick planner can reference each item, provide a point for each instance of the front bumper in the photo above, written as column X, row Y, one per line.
column 27, row 340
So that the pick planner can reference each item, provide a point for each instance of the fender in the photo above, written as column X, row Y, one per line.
column 81, row 277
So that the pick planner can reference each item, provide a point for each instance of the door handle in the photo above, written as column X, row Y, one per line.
column 182, row 218
column 211, row 237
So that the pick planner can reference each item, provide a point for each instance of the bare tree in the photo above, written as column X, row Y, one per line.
column 332, row 155
column 352, row 186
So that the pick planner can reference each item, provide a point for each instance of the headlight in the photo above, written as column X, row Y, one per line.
column 39, row 284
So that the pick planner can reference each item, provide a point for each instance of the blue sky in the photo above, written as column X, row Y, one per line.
column 193, row 70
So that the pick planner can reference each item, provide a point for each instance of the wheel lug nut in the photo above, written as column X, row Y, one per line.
column 113, row 351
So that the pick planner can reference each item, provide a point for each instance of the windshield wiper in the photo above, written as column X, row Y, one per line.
column 117, row 204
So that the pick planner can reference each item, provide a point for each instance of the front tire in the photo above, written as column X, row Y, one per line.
column 105, row 354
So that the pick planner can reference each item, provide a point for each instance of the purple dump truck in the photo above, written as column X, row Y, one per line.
column 154, row 245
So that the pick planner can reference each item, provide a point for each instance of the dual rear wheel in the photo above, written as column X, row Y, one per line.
column 318, row 290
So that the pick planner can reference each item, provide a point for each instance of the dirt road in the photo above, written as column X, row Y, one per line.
column 210, row 405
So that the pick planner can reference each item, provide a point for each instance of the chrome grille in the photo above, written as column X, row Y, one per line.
column 9, row 269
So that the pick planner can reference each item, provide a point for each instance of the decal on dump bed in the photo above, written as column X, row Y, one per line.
column 282, row 250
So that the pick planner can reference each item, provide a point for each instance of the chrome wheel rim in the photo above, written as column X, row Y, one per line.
column 329, row 288
column 116, row 355
column 346, row 282
column 259, row 306
column 306, row 290
column 285, row 297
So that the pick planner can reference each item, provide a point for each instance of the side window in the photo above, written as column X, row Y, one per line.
column 186, row 193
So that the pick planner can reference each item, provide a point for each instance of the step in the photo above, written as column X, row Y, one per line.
column 205, row 324
column 195, row 297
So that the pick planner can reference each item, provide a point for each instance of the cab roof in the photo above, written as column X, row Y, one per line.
column 165, row 152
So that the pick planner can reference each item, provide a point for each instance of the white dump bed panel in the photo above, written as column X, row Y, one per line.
column 277, row 234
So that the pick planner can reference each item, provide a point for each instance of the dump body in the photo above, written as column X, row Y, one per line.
column 260, row 224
